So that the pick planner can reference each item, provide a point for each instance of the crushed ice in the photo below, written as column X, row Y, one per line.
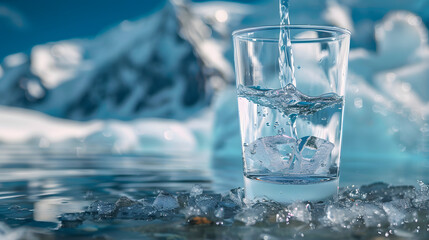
column 378, row 208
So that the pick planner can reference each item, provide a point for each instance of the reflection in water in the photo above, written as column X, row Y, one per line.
column 48, row 209
column 38, row 186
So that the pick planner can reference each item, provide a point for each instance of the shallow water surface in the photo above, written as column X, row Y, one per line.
column 60, row 194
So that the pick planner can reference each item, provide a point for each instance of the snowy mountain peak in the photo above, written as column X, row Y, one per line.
column 158, row 66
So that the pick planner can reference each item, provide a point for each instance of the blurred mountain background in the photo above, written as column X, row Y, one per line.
column 157, row 76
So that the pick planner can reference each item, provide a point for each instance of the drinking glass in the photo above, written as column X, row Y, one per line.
column 291, row 129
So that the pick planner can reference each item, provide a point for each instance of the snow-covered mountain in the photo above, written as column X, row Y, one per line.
column 158, row 66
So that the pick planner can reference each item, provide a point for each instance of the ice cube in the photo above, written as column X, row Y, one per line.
column 219, row 213
column 341, row 216
column 274, row 153
column 394, row 213
column 313, row 155
column 422, row 196
column 283, row 216
column 300, row 211
column 102, row 208
column 191, row 211
column 208, row 202
column 237, row 195
column 136, row 211
column 124, row 202
column 165, row 201
column 196, row 190
column 372, row 214
column 252, row 215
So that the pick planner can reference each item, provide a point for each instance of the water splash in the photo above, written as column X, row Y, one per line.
column 289, row 100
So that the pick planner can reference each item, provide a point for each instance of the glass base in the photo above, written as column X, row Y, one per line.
column 288, row 190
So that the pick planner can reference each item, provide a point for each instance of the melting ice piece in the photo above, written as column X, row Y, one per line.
column 102, row 208
column 252, row 215
column 289, row 100
column 274, row 153
column 196, row 190
column 313, row 154
column 282, row 153
column 300, row 211
column 165, row 201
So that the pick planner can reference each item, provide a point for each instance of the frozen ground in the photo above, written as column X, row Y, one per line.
column 371, row 211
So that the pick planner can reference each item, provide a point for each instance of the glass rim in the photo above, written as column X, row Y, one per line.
column 342, row 33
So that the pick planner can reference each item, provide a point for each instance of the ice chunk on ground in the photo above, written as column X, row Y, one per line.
column 314, row 154
column 165, row 201
column 136, row 211
column 300, row 211
column 339, row 216
column 102, row 208
column 191, row 211
column 395, row 214
column 369, row 214
column 207, row 202
column 250, row 216
column 372, row 214
column 196, row 190
column 367, row 211
column 274, row 153
column 422, row 198
column 124, row 202
column 232, row 201
column 219, row 213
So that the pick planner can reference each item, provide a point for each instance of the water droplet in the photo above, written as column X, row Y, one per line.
column 245, row 144
column 268, row 124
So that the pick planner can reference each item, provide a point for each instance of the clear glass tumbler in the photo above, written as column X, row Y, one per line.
column 291, row 133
